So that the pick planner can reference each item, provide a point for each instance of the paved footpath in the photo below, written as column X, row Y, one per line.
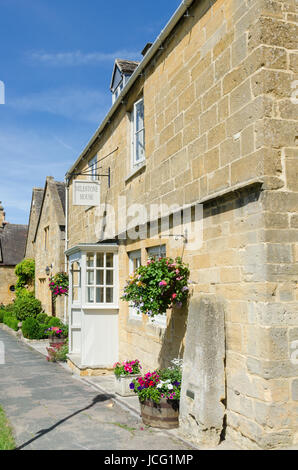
column 51, row 409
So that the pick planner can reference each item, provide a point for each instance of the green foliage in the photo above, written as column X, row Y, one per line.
column 32, row 329
column 2, row 312
column 127, row 368
column 7, row 441
column 161, row 284
column 10, row 320
column 58, row 353
column 165, row 383
column 54, row 321
column 43, row 318
column 26, row 306
column 25, row 271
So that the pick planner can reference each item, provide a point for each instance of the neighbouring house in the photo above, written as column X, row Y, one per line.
column 12, row 249
column 46, row 241
column 36, row 201
column 207, row 123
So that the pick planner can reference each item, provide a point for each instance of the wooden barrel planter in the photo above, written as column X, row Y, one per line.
column 164, row 415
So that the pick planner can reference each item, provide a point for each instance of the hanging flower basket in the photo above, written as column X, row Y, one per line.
column 161, row 284
column 59, row 284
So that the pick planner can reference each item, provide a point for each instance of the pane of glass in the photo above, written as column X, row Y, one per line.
column 157, row 251
column 137, row 263
column 90, row 295
column 109, row 260
column 139, row 116
column 90, row 260
column 109, row 295
column 99, row 260
column 99, row 277
column 75, row 294
column 75, row 278
column 140, row 149
column 109, row 277
column 99, row 295
column 90, row 278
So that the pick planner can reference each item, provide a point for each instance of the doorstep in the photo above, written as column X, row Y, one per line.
column 74, row 363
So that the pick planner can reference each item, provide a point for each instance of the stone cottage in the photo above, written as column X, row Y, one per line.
column 46, row 239
column 206, row 122
column 12, row 249
column 36, row 201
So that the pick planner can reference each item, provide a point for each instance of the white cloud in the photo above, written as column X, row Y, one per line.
column 76, row 104
column 78, row 58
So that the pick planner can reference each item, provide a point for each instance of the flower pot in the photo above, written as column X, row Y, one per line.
column 164, row 415
column 54, row 340
column 122, row 384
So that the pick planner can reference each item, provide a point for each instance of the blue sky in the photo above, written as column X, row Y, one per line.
column 56, row 60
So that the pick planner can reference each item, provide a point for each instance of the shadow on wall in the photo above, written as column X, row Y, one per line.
column 173, row 339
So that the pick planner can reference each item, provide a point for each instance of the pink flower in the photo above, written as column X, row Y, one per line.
column 174, row 296
column 163, row 283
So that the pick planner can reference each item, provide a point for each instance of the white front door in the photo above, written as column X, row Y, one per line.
column 75, row 308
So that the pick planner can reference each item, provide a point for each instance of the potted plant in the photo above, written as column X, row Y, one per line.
column 124, row 373
column 161, row 284
column 56, row 335
column 159, row 395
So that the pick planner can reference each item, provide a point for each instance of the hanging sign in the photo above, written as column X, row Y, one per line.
column 86, row 193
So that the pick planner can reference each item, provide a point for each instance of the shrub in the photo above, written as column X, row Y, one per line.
column 43, row 318
column 25, row 271
column 54, row 321
column 10, row 320
column 31, row 329
column 26, row 306
column 2, row 312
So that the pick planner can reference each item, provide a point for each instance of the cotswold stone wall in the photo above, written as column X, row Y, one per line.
column 50, row 252
column 221, row 129
column 7, row 279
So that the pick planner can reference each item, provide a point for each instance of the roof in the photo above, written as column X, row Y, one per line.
column 36, row 202
column 126, row 67
column 12, row 244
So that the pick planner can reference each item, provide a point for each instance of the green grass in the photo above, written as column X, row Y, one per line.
column 7, row 441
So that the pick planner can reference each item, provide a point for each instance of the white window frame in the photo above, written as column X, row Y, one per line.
column 134, row 162
column 104, row 285
column 133, row 256
column 92, row 168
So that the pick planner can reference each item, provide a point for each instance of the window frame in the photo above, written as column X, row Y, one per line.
column 134, row 163
column 92, row 168
column 132, row 256
column 98, row 285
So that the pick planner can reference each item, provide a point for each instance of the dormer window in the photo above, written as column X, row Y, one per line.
column 123, row 70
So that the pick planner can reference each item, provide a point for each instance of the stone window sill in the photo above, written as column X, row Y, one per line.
column 137, row 170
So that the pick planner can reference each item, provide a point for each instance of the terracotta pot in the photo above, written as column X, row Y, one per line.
column 122, row 384
column 164, row 414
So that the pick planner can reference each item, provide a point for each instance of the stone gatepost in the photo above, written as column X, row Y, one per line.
column 203, row 395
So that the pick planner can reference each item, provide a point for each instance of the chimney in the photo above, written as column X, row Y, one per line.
column 146, row 48
column 2, row 215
